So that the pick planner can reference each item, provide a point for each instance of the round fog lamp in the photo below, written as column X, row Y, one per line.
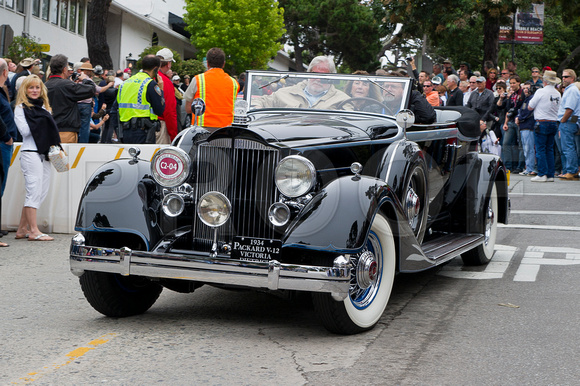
column 173, row 205
column 279, row 214
column 213, row 209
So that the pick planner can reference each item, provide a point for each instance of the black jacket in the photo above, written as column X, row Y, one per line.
column 63, row 95
column 424, row 112
column 455, row 97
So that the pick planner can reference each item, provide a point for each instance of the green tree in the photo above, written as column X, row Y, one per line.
column 347, row 29
column 444, row 21
column 24, row 47
column 247, row 30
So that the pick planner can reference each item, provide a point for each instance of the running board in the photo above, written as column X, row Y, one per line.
column 451, row 245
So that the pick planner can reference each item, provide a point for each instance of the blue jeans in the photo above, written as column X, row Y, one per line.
column 528, row 143
column 509, row 146
column 567, row 132
column 6, row 158
column 86, row 110
column 544, row 136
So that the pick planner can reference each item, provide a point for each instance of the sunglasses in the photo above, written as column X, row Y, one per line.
column 505, row 73
column 535, row 71
column 471, row 82
column 427, row 85
column 566, row 76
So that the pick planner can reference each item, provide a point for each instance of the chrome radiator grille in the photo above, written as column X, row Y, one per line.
column 243, row 170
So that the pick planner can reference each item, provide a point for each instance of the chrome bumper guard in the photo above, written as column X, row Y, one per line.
column 201, row 267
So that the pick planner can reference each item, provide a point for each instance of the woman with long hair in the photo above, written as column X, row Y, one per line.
column 39, row 133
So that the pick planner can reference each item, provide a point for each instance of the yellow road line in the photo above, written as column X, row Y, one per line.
column 71, row 356
column 119, row 153
column 79, row 155
column 16, row 150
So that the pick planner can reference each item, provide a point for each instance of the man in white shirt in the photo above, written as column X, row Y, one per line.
column 545, row 104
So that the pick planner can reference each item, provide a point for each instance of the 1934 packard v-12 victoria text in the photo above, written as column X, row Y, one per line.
column 328, row 191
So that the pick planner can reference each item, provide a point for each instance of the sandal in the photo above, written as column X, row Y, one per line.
column 18, row 237
column 2, row 245
column 41, row 237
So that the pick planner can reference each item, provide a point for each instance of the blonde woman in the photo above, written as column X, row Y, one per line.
column 39, row 133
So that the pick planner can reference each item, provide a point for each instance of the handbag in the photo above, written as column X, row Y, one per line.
column 58, row 158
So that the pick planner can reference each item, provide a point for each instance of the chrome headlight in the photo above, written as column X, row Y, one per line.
column 170, row 167
column 173, row 205
column 295, row 176
column 213, row 209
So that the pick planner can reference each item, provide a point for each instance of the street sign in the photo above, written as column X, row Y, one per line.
column 45, row 47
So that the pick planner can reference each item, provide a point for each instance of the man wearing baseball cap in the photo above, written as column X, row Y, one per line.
column 168, row 128
column 481, row 99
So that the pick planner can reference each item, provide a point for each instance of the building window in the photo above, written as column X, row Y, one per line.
column 10, row 4
column 81, row 18
column 54, row 11
column 45, row 8
column 63, row 13
column 36, row 8
column 20, row 6
column 72, row 16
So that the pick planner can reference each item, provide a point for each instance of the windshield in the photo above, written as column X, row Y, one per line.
column 374, row 94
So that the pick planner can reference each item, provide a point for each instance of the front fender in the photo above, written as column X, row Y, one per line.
column 120, row 197
column 338, row 218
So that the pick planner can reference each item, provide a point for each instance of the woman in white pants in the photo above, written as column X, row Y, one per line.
column 39, row 132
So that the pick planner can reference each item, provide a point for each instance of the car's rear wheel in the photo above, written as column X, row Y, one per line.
column 483, row 253
column 372, row 279
column 119, row 296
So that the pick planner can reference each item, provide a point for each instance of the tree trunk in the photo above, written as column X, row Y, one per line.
column 490, row 38
column 97, row 16
column 567, row 61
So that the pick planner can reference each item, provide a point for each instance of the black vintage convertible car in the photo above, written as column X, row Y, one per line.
column 324, row 183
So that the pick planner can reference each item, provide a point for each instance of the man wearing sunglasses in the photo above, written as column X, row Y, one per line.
column 568, row 113
column 430, row 93
column 536, row 78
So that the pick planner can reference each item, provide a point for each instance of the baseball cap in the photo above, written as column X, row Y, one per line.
column 480, row 79
column 176, row 77
column 166, row 54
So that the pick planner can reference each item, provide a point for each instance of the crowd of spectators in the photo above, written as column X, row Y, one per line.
column 527, row 118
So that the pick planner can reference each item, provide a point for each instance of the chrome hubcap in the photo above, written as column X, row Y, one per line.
column 413, row 206
column 367, row 270
column 489, row 221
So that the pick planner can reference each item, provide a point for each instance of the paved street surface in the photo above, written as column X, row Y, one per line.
column 512, row 322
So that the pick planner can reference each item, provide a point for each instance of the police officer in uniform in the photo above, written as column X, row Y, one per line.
column 140, row 102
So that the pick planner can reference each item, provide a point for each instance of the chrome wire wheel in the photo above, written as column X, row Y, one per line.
column 483, row 253
column 415, row 202
column 372, row 278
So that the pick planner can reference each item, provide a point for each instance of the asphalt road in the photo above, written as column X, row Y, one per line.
column 512, row 322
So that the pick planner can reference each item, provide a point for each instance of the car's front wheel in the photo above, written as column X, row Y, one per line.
column 372, row 278
column 483, row 253
column 119, row 296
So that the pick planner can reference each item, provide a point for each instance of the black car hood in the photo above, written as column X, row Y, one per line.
column 298, row 130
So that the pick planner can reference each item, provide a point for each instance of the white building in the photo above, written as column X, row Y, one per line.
column 133, row 25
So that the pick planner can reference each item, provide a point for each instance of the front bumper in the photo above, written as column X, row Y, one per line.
column 201, row 267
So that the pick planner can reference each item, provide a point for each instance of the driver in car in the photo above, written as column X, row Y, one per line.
column 313, row 93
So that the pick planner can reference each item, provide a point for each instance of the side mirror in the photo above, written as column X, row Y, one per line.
column 405, row 118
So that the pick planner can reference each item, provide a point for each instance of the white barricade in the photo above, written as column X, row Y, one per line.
column 58, row 212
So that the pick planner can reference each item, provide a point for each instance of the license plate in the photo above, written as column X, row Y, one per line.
column 257, row 250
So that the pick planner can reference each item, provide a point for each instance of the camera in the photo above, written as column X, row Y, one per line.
column 504, row 94
column 510, row 112
column 75, row 76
